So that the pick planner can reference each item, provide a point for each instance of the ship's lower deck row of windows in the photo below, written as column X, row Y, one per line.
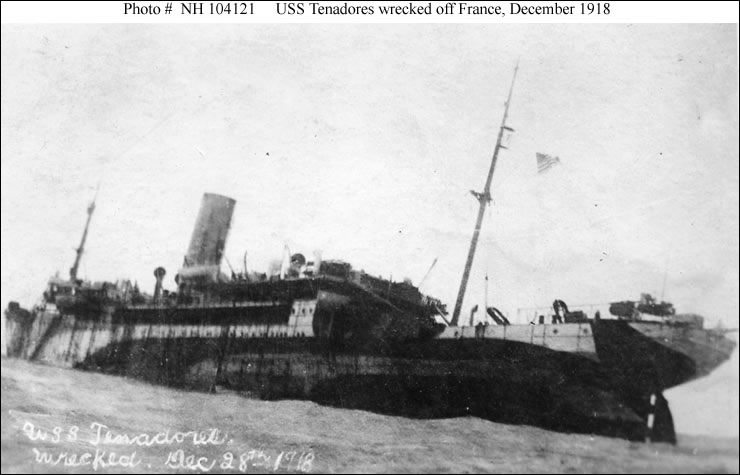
column 212, row 331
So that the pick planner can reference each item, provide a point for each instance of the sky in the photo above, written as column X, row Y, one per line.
column 363, row 141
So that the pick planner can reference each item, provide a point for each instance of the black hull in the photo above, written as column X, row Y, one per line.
column 500, row 381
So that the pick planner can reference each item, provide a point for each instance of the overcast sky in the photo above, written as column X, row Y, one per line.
column 363, row 141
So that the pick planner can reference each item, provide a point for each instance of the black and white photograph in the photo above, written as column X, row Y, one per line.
column 313, row 245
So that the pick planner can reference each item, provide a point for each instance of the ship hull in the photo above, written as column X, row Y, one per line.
column 599, row 377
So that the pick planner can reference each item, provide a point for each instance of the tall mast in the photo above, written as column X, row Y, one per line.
column 484, row 199
column 81, row 249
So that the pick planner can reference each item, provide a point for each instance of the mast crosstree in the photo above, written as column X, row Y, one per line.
column 484, row 199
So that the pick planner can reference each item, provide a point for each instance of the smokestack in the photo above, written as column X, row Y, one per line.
column 207, row 243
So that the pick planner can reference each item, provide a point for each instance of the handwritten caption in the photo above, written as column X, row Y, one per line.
column 99, row 447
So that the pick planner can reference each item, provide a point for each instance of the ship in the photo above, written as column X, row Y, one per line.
column 321, row 330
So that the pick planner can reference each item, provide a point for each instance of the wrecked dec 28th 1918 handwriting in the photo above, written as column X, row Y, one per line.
column 99, row 447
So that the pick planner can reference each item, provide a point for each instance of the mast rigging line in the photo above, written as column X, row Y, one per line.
column 423, row 279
